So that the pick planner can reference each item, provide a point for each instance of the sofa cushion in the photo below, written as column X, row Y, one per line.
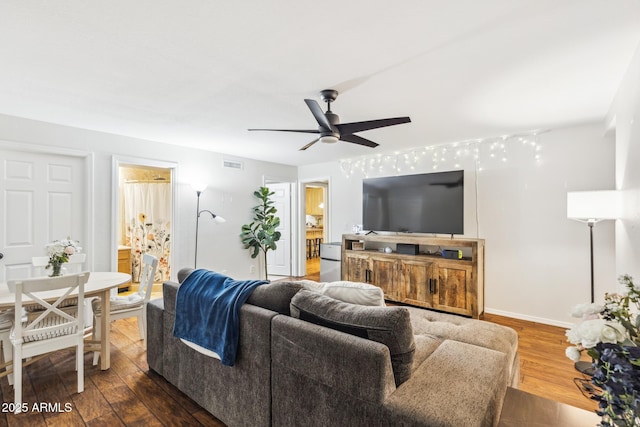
column 390, row 326
column 117, row 303
column 471, row 331
column 345, row 291
column 275, row 296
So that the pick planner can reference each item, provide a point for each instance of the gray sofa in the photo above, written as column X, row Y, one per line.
column 415, row 368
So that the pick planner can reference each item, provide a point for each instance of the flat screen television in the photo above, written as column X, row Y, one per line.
column 422, row 203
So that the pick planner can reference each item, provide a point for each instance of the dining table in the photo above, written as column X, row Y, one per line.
column 99, row 285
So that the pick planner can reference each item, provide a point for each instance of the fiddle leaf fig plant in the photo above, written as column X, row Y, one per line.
column 261, row 234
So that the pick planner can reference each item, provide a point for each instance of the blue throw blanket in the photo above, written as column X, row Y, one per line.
column 208, row 311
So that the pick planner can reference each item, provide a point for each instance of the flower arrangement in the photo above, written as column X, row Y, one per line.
column 59, row 252
column 610, row 335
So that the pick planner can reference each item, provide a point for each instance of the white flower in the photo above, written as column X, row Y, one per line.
column 587, row 311
column 573, row 336
column 572, row 353
column 613, row 333
column 593, row 331
column 60, row 250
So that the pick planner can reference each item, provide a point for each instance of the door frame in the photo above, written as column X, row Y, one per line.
column 89, row 160
column 116, row 162
column 302, row 209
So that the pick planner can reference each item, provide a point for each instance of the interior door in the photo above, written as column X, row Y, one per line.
column 43, row 199
column 279, row 261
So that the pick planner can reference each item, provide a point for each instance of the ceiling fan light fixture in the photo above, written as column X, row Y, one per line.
column 329, row 139
column 330, row 128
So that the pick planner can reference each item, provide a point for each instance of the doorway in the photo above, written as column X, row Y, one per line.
column 316, row 224
column 144, row 219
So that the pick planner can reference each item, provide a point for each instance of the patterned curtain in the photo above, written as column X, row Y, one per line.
column 147, row 210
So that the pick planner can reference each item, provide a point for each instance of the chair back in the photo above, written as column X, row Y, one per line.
column 149, row 267
column 39, row 264
column 46, row 320
column 74, row 265
column 76, row 261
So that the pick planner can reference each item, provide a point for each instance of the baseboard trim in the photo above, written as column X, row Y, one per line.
column 520, row 316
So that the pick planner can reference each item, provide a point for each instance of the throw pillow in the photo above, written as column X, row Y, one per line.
column 390, row 326
column 345, row 291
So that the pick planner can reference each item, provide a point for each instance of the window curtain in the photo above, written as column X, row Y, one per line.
column 147, row 213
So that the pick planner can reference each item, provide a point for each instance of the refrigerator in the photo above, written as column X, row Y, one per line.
column 330, row 261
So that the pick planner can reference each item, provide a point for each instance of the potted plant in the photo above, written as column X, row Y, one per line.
column 261, row 234
column 610, row 334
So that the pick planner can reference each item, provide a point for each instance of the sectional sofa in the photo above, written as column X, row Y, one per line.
column 305, row 358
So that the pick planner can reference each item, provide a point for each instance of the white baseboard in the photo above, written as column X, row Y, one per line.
column 528, row 318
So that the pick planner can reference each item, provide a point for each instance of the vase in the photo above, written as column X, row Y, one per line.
column 56, row 270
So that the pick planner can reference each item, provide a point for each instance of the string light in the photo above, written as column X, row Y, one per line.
column 482, row 152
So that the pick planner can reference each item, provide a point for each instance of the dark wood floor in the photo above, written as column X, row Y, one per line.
column 130, row 395
column 126, row 395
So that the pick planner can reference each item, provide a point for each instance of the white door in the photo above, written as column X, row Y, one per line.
column 42, row 200
column 279, row 261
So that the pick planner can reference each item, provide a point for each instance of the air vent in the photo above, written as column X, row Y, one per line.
column 232, row 164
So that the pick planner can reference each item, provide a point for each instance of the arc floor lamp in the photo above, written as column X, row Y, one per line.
column 217, row 218
column 592, row 207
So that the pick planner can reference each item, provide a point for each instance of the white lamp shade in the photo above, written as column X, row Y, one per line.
column 219, row 219
column 593, row 205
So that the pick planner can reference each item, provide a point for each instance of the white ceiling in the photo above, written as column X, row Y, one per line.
column 200, row 72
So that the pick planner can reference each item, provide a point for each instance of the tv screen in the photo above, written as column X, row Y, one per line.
column 423, row 203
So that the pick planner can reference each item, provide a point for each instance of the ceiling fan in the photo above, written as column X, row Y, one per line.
column 330, row 128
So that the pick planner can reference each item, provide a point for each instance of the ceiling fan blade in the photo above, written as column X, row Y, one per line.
column 318, row 114
column 309, row 144
column 358, row 140
column 289, row 130
column 347, row 128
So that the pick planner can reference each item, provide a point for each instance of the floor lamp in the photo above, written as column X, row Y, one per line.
column 592, row 207
column 217, row 218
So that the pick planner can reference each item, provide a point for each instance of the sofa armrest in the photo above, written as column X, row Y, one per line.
column 169, row 294
column 155, row 324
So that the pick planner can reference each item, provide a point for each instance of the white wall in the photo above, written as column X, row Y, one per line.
column 537, row 261
column 229, row 193
column 625, row 113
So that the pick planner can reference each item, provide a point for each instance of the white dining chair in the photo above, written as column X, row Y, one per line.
column 135, row 305
column 76, row 263
column 6, row 323
column 40, row 264
column 47, row 326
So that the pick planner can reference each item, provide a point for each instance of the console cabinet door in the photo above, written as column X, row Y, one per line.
column 355, row 267
column 383, row 274
column 417, row 280
column 453, row 289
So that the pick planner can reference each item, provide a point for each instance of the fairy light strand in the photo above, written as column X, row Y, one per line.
column 481, row 151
